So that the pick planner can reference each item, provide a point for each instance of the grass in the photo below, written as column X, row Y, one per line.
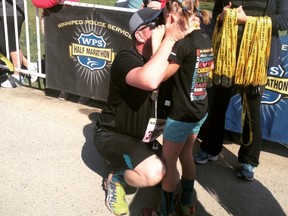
column 32, row 27
column 103, row 2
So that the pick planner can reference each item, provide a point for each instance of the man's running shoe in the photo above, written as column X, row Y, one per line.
column 246, row 172
column 116, row 197
column 184, row 210
column 202, row 157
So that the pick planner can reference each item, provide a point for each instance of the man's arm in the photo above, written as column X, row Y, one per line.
column 152, row 73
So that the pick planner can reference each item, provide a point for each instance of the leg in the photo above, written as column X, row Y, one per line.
column 14, row 59
column 185, row 204
column 15, row 79
column 148, row 173
column 170, row 153
column 179, row 138
column 175, row 134
column 25, row 61
column 133, row 162
column 186, row 158
column 250, row 154
column 213, row 140
column 12, row 42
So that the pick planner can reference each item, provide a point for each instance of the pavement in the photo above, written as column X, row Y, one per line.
column 50, row 167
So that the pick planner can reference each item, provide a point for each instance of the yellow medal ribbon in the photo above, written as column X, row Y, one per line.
column 7, row 62
column 250, row 69
column 246, row 112
column 251, row 66
column 254, row 52
column 224, row 41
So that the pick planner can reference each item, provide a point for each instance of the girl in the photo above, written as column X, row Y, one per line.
column 192, row 59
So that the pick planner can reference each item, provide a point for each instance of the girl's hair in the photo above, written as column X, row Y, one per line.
column 204, row 15
column 186, row 8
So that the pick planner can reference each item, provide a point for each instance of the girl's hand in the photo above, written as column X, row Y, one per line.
column 178, row 29
column 157, row 37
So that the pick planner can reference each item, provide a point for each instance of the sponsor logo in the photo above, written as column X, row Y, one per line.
column 91, row 51
column 277, row 86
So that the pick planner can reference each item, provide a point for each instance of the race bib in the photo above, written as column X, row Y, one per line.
column 154, row 129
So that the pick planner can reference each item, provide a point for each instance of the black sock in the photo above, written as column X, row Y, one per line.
column 167, row 205
column 118, row 176
column 187, row 191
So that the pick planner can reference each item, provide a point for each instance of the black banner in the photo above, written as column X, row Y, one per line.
column 81, row 43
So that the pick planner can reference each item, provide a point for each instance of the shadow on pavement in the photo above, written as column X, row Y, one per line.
column 218, row 178
column 89, row 153
column 267, row 146
column 236, row 196
column 275, row 148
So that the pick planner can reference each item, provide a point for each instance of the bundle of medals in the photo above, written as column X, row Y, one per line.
column 250, row 68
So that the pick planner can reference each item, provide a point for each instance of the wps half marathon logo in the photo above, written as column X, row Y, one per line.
column 277, row 84
column 91, row 52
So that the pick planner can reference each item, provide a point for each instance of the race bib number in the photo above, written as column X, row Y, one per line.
column 154, row 129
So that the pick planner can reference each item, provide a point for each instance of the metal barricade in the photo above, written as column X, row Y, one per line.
column 30, row 39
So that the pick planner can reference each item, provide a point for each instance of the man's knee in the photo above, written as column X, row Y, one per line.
column 154, row 172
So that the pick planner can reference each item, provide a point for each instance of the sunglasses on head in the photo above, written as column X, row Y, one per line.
column 151, row 26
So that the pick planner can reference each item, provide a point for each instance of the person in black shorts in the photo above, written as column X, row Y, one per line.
column 126, row 131
column 14, row 80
